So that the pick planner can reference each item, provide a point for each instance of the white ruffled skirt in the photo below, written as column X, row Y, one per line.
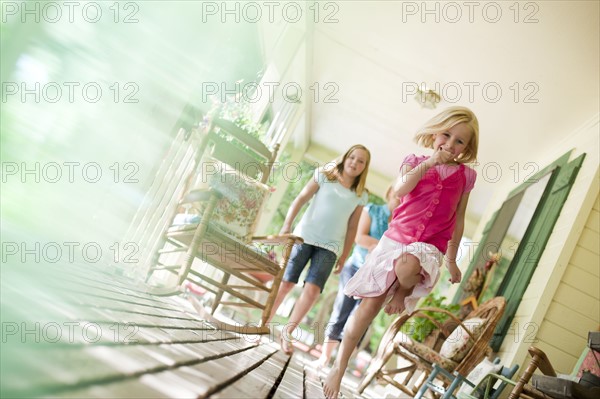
column 377, row 275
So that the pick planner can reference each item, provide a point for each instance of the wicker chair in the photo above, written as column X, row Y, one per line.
column 422, row 357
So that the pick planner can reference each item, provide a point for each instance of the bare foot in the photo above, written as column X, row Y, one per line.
column 319, row 364
column 331, row 387
column 396, row 304
column 286, row 343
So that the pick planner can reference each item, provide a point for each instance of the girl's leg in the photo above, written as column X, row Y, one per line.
column 284, row 288
column 310, row 294
column 322, row 262
column 356, row 327
column 342, row 308
column 329, row 346
column 299, row 258
column 408, row 272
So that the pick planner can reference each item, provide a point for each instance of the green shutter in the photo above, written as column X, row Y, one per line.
column 496, row 228
column 538, row 232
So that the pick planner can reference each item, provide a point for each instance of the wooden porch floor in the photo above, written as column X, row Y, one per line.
column 80, row 332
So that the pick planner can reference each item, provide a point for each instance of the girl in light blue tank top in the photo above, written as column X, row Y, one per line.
column 328, row 228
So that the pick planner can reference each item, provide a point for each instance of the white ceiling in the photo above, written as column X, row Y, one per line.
column 378, row 50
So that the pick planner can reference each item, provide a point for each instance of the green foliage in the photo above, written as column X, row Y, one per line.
column 375, row 199
column 239, row 112
column 420, row 327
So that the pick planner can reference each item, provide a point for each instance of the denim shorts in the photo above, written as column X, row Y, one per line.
column 322, row 262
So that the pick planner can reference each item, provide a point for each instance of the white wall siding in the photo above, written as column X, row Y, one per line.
column 562, row 302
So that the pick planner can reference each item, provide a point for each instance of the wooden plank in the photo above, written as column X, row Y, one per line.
column 584, row 281
column 318, row 378
column 84, row 354
column 589, row 239
column 114, row 304
column 41, row 308
column 122, row 389
column 585, row 259
column 574, row 299
column 593, row 222
column 44, row 304
column 121, row 343
column 174, row 335
column 124, row 317
column 56, row 333
column 312, row 384
column 260, row 382
column 83, row 332
column 346, row 393
column 202, row 380
column 570, row 319
column 92, row 291
column 568, row 341
column 94, row 276
column 292, row 384
column 110, row 285
column 58, row 369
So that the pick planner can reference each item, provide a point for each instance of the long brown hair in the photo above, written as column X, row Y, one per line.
column 358, row 185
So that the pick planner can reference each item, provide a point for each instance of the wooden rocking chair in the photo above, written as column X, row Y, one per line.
column 226, row 194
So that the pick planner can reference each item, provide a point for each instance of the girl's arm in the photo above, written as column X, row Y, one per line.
column 455, row 274
column 409, row 177
column 362, row 236
column 349, row 240
column 305, row 195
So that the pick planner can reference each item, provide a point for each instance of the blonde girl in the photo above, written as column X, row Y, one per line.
column 428, row 224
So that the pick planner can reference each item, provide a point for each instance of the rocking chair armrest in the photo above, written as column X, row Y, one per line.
column 438, row 310
column 452, row 316
column 420, row 312
column 277, row 239
column 543, row 363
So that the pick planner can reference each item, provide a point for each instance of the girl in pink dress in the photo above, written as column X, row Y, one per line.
column 428, row 223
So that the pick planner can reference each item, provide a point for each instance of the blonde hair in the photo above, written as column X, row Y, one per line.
column 332, row 173
column 445, row 120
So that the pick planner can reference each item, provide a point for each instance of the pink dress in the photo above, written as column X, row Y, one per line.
column 421, row 225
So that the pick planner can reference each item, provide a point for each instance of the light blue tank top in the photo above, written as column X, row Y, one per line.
column 326, row 220
column 379, row 223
